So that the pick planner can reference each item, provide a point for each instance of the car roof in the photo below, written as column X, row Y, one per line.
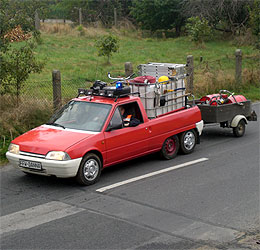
column 106, row 100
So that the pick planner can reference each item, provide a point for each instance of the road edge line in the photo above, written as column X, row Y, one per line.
column 121, row 183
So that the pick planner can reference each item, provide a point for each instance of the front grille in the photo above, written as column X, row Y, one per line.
column 32, row 154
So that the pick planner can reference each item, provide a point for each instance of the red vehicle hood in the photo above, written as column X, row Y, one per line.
column 46, row 138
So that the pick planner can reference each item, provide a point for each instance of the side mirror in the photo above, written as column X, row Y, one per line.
column 112, row 126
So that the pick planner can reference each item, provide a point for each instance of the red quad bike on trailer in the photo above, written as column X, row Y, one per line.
column 227, row 109
column 89, row 133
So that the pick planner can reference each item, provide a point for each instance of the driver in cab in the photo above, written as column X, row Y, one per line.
column 129, row 120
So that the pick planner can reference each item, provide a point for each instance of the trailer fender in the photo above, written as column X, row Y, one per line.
column 237, row 119
column 199, row 126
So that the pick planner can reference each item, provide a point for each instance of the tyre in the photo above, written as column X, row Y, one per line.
column 240, row 129
column 170, row 147
column 188, row 140
column 89, row 170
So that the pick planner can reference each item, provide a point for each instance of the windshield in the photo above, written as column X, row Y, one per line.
column 81, row 115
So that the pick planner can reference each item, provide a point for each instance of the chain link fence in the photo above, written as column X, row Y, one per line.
column 40, row 91
column 209, row 76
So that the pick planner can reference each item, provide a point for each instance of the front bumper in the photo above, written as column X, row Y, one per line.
column 62, row 169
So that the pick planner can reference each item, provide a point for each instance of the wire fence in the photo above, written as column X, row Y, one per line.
column 209, row 75
column 41, row 91
column 212, row 75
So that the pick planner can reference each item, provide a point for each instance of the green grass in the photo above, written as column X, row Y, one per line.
column 76, row 57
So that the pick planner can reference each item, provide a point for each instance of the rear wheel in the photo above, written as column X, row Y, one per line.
column 170, row 147
column 188, row 140
column 89, row 170
column 240, row 129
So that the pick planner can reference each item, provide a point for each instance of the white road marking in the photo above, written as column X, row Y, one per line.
column 35, row 216
column 150, row 174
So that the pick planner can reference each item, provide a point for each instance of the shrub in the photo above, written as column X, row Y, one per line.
column 107, row 45
column 17, row 120
column 198, row 29
column 81, row 30
column 18, row 64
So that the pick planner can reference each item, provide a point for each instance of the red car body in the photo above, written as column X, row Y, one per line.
column 112, row 146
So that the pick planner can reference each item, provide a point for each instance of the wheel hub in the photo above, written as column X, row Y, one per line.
column 189, row 140
column 240, row 128
column 170, row 146
column 91, row 169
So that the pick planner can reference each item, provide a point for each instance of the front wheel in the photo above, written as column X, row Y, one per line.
column 240, row 129
column 170, row 147
column 188, row 140
column 89, row 170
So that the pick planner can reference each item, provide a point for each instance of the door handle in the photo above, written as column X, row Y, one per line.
column 150, row 129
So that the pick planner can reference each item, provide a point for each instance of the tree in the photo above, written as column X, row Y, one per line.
column 92, row 10
column 223, row 15
column 107, row 45
column 159, row 14
column 254, row 22
column 69, row 9
column 17, row 63
column 198, row 29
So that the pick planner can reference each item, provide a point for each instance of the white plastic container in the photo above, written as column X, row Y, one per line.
column 150, row 93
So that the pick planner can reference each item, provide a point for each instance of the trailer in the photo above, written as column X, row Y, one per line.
column 228, row 110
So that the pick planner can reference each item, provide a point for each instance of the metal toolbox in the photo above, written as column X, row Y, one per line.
column 162, row 69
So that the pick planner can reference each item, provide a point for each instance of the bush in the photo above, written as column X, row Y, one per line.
column 81, row 30
column 198, row 29
column 17, row 120
column 18, row 64
column 107, row 45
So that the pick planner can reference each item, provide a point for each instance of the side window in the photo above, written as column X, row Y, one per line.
column 116, row 121
column 134, row 111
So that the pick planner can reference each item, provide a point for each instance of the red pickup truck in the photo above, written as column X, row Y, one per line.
column 89, row 133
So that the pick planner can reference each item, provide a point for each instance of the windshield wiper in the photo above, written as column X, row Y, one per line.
column 55, row 124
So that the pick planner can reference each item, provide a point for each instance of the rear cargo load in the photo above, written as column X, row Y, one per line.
column 160, row 98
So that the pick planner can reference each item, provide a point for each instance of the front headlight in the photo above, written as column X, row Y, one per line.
column 58, row 156
column 13, row 148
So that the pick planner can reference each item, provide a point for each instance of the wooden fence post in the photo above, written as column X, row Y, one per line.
column 238, row 75
column 115, row 17
column 37, row 21
column 80, row 16
column 128, row 69
column 56, row 85
column 190, row 71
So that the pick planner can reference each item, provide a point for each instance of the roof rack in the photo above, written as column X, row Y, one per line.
column 108, row 92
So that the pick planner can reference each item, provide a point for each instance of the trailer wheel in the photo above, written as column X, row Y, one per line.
column 240, row 129
column 89, row 170
column 188, row 140
column 170, row 147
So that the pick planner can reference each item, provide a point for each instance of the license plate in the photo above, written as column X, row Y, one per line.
column 30, row 164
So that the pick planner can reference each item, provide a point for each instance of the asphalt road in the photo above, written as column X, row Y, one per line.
column 213, row 204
